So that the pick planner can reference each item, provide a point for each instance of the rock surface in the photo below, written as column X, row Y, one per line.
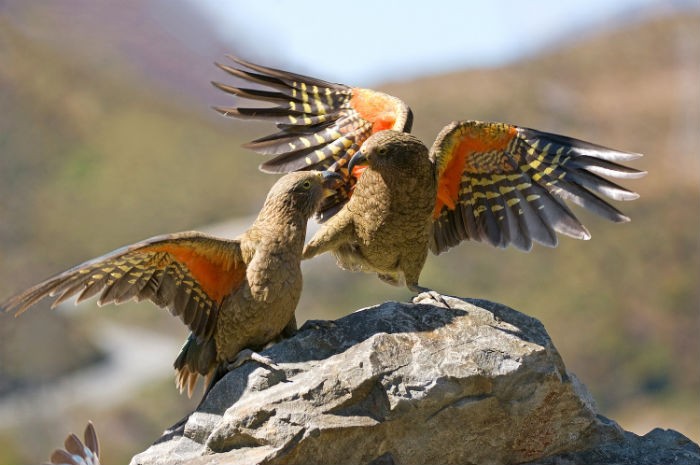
column 477, row 383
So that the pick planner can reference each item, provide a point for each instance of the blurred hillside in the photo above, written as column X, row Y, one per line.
column 106, row 142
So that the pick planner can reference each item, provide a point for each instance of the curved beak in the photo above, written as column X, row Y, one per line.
column 358, row 159
column 331, row 182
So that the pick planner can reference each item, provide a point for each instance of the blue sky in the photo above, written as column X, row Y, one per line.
column 363, row 42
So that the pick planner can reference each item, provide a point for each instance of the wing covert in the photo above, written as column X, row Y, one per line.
column 188, row 273
column 321, row 124
column 503, row 184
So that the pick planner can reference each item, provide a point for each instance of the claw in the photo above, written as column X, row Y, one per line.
column 430, row 297
column 247, row 355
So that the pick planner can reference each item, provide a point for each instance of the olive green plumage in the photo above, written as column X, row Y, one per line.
column 489, row 182
column 385, row 227
column 232, row 294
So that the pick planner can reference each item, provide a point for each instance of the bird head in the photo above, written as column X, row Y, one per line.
column 303, row 191
column 390, row 152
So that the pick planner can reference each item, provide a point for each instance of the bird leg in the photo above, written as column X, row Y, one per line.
column 276, row 374
column 389, row 279
column 288, row 331
column 248, row 355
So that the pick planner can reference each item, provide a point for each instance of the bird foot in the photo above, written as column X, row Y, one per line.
column 275, row 373
column 428, row 296
column 247, row 355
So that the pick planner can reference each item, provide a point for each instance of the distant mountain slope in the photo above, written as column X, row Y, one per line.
column 635, row 89
column 145, row 38
column 101, row 145
column 631, row 293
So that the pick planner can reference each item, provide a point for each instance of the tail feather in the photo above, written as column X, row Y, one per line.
column 197, row 358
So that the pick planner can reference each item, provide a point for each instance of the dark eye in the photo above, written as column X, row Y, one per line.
column 306, row 185
column 381, row 150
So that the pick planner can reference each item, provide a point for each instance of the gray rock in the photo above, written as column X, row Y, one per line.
column 658, row 447
column 478, row 383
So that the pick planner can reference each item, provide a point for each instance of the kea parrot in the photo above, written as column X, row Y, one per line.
column 78, row 452
column 235, row 296
column 482, row 181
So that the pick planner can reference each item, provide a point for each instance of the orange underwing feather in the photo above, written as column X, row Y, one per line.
column 504, row 184
column 448, row 183
column 321, row 125
column 378, row 108
column 188, row 273
column 477, row 149
column 215, row 272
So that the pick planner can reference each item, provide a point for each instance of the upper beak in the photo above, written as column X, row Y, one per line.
column 332, row 181
column 358, row 159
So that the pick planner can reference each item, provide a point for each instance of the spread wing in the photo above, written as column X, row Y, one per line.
column 503, row 184
column 76, row 452
column 188, row 273
column 320, row 124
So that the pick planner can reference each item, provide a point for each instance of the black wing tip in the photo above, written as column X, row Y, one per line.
column 584, row 234
column 229, row 112
column 607, row 153
column 237, row 59
column 221, row 86
column 227, row 69
column 585, row 147
column 20, row 303
column 7, row 309
column 7, row 305
column 629, row 155
column 245, row 113
column 280, row 74
column 274, row 168
column 249, row 145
